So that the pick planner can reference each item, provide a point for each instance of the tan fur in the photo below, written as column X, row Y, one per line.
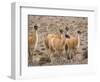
column 32, row 39
column 54, row 43
column 73, row 44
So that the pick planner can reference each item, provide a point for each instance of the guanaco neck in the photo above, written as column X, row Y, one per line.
column 36, row 37
column 63, row 38
column 62, row 35
column 78, row 37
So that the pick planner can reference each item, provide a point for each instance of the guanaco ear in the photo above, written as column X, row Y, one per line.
column 35, row 27
column 61, row 31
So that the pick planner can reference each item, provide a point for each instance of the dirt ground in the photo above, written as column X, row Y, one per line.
column 52, row 24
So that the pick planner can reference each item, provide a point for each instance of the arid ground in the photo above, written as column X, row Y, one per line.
column 52, row 24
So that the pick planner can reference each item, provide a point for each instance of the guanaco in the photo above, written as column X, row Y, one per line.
column 32, row 40
column 73, row 43
column 55, row 43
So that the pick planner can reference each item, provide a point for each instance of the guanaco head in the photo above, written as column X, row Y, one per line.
column 67, row 36
column 35, row 27
column 61, row 31
column 66, row 28
column 79, row 32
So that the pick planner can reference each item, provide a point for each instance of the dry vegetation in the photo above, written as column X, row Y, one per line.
column 52, row 24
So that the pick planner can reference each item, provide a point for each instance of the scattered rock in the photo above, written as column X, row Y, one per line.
column 85, row 54
column 43, row 49
column 44, row 60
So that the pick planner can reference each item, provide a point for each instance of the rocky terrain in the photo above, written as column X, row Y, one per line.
column 52, row 24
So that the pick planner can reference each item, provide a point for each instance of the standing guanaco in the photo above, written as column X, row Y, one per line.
column 55, row 43
column 32, row 40
column 73, row 44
